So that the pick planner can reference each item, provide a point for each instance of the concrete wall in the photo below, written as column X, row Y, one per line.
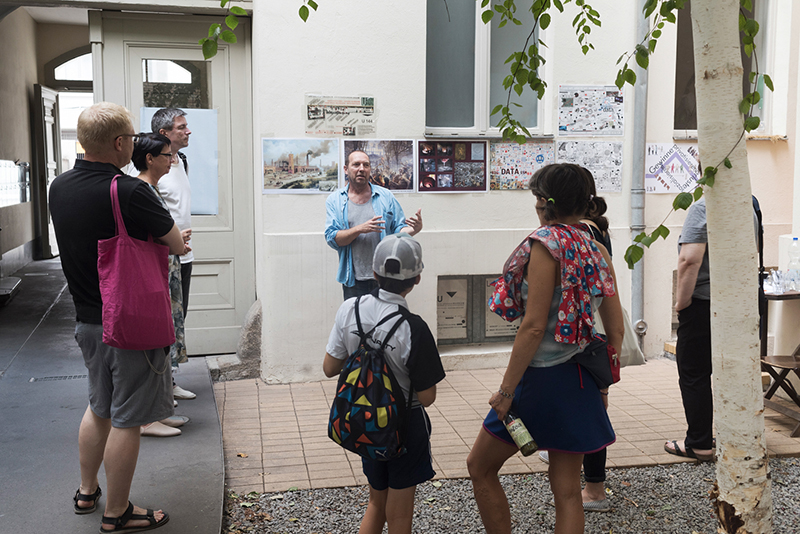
column 18, row 67
column 56, row 39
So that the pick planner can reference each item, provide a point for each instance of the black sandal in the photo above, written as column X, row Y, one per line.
column 120, row 521
column 86, row 498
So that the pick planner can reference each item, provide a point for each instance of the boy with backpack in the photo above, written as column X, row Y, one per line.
column 410, row 354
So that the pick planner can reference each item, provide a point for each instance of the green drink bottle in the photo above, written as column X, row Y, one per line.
column 520, row 434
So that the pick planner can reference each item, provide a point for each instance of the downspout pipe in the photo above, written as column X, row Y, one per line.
column 637, row 183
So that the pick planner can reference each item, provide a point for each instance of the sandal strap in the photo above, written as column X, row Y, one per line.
column 121, row 520
column 86, row 498
column 150, row 517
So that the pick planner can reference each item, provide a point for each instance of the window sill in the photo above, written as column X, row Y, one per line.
column 691, row 135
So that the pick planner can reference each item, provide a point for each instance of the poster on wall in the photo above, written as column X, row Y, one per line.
column 513, row 164
column 299, row 165
column 391, row 162
column 590, row 110
column 451, row 308
column 671, row 168
column 603, row 158
column 347, row 116
column 452, row 166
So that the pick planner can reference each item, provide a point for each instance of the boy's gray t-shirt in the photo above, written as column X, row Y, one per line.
column 695, row 231
column 363, row 247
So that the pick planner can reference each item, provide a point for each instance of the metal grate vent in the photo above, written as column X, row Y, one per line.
column 51, row 378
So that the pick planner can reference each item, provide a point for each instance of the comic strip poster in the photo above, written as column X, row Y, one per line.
column 300, row 165
column 346, row 116
column 452, row 166
column 391, row 162
column 590, row 110
column 603, row 158
column 513, row 164
column 671, row 168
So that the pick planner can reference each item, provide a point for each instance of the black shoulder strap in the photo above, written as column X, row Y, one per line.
column 363, row 335
column 185, row 162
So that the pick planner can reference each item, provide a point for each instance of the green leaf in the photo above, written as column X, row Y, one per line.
column 649, row 240
column 656, row 34
column 742, row 21
column 576, row 19
column 585, row 49
column 643, row 60
column 521, row 139
column 630, row 76
column 633, row 254
column 228, row 36
column 544, row 21
column 312, row 4
column 751, row 123
column 209, row 48
column 518, row 89
column 486, row 16
column 662, row 231
column 698, row 193
column 744, row 106
column 620, row 81
column 682, row 201
column 727, row 163
column 558, row 5
column 651, row 45
column 304, row 12
column 497, row 108
column 752, row 76
column 747, row 4
column 639, row 237
column 231, row 21
column 238, row 11
column 751, row 27
column 484, row 3
column 214, row 30
column 522, row 76
column 223, row 2
column 768, row 82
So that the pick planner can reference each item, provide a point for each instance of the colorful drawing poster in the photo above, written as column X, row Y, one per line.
column 300, row 165
column 452, row 166
column 590, row 110
column 347, row 116
column 513, row 164
column 602, row 158
column 391, row 162
column 671, row 168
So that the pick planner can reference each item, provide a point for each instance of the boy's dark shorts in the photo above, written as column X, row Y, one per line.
column 414, row 467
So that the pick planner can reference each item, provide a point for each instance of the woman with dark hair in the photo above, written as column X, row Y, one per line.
column 554, row 279
column 152, row 158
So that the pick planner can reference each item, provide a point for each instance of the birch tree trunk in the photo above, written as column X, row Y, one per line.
column 743, row 497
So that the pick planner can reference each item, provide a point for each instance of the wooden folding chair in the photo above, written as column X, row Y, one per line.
column 779, row 368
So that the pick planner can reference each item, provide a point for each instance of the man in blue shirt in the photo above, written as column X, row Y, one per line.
column 357, row 217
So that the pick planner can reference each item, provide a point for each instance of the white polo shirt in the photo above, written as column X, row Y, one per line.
column 174, row 187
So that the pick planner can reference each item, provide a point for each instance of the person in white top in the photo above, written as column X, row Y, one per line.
column 177, row 193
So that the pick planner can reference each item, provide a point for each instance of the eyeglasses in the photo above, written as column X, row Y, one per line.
column 168, row 154
column 134, row 137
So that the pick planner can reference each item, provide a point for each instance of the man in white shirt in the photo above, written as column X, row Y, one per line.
column 177, row 193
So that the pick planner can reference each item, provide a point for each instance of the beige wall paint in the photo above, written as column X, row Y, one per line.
column 56, row 39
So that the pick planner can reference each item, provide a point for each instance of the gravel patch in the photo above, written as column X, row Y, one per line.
column 661, row 499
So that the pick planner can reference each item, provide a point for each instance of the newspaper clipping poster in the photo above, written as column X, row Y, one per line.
column 602, row 158
column 451, row 308
column 590, row 110
column 513, row 164
column 671, row 168
column 347, row 116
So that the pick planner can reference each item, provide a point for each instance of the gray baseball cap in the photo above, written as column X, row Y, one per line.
column 398, row 256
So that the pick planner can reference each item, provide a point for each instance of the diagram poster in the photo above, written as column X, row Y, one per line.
column 347, row 116
column 513, row 164
column 300, row 165
column 590, row 110
column 451, row 308
column 671, row 168
column 602, row 158
column 391, row 162
column 452, row 166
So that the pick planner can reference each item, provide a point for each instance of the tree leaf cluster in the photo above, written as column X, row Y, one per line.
column 216, row 32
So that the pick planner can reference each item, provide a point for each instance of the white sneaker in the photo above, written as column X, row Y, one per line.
column 174, row 403
column 544, row 456
column 180, row 393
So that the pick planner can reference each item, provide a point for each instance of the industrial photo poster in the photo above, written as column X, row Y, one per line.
column 299, row 165
column 391, row 162
column 346, row 116
column 452, row 166
column 671, row 167
column 590, row 110
column 513, row 164
column 602, row 158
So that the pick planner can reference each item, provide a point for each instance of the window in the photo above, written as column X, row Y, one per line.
column 685, row 111
column 71, row 71
column 465, row 70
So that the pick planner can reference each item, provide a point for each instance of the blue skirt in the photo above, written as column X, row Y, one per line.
column 562, row 408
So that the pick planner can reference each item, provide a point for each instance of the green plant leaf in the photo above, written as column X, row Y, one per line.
column 484, row 3
column 486, row 16
column 544, row 21
column 639, row 237
column 682, row 201
column 768, row 82
column 649, row 240
column 209, row 48
column 214, row 30
column 231, row 21
column 222, row 3
column 312, row 4
column 633, row 254
column 304, row 12
column 630, row 76
column 228, row 36
column 662, row 231
column 727, row 163
column 751, row 123
column 698, row 193
column 744, row 106
column 238, row 11
column 497, row 108
column 642, row 59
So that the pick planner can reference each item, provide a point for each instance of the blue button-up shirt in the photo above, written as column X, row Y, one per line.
column 385, row 206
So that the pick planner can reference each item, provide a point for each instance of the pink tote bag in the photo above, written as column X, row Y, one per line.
column 134, row 286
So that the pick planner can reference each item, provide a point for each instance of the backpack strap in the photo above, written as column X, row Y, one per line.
column 364, row 336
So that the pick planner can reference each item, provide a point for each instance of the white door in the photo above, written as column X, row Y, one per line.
column 154, row 61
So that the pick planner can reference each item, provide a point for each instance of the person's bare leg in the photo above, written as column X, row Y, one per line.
column 487, row 456
column 92, row 438
column 375, row 516
column 400, row 510
column 593, row 491
column 565, row 482
column 121, row 454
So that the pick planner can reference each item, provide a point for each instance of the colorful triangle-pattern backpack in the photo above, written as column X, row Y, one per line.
column 369, row 414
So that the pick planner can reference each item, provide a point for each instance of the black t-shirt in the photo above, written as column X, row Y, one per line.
column 80, row 205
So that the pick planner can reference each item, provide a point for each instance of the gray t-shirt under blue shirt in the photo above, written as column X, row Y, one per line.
column 363, row 247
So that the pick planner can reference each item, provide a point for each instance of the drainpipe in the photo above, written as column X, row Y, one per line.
column 637, row 184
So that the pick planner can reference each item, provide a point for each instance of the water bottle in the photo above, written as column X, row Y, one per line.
column 520, row 435
column 794, row 265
